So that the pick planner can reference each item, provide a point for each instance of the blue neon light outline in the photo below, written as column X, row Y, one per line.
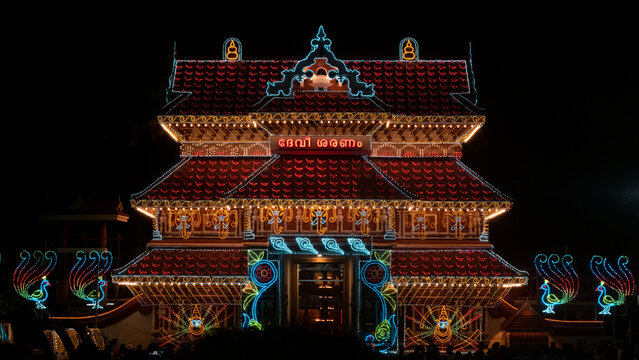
column 391, row 320
column 605, row 309
column 331, row 245
column 415, row 46
column 262, row 288
column 305, row 245
column 239, row 49
column 40, row 259
column 459, row 97
column 43, row 288
column 320, row 48
column 358, row 245
column 96, row 258
column 613, row 279
column 278, row 243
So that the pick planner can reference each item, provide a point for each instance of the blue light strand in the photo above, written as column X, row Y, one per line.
column 278, row 243
column 358, row 245
column 331, row 245
column 383, row 342
column 320, row 48
column 305, row 245
column 252, row 320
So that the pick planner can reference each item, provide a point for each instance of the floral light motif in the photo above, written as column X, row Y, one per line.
column 446, row 326
column 90, row 272
column 559, row 274
column 376, row 276
column 263, row 274
column 29, row 272
column 618, row 278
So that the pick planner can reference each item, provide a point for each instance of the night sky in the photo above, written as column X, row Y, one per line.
column 558, row 82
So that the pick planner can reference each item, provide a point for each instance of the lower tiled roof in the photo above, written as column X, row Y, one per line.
column 320, row 177
column 187, row 262
column 451, row 263
column 436, row 179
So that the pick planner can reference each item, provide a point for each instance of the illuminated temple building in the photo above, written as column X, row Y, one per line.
column 322, row 193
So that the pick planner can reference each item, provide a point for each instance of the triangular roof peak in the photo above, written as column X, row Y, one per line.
column 334, row 77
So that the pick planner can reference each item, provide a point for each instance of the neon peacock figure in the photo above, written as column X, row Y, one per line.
column 619, row 279
column 31, row 270
column 89, row 271
column 558, row 273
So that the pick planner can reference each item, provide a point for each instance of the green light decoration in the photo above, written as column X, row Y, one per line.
column 375, row 275
column 31, row 270
column 558, row 274
column 263, row 274
column 190, row 322
column 86, row 278
column 617, row 278
column 445, row 326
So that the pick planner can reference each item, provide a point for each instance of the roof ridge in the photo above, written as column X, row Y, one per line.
column 163, row 177
column 482, row 180
column 403, row 191
column 250, row 178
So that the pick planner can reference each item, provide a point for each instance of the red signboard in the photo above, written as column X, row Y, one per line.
column 320, row 144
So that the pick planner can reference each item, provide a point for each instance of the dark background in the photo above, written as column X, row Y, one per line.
column 558, row 82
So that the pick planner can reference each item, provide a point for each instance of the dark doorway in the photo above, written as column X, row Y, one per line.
column 320, row 296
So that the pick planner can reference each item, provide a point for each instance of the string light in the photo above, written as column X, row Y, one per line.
column 86, row 273
column 619, row 279
column 28, row 273
column 557, row 273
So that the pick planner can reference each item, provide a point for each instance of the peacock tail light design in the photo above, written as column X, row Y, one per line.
column 190, row 322
column 31, row 270
column 558, row 275
column 445, row 326
column 86, row 279
column 618, row 278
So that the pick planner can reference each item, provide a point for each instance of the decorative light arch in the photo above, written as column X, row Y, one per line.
column 408, row 49
column 232, row 49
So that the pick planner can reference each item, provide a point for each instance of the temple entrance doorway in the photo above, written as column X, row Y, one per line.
column 321, row 294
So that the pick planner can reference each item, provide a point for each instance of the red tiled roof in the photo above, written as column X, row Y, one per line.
column 187, row 262
column 438, row 179
column 202, row 178
column 451, row 263
column 320, row 177
column 238, row 88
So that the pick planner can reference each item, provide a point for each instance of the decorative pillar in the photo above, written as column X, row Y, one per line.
column 248, row 231
column 390, row 231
